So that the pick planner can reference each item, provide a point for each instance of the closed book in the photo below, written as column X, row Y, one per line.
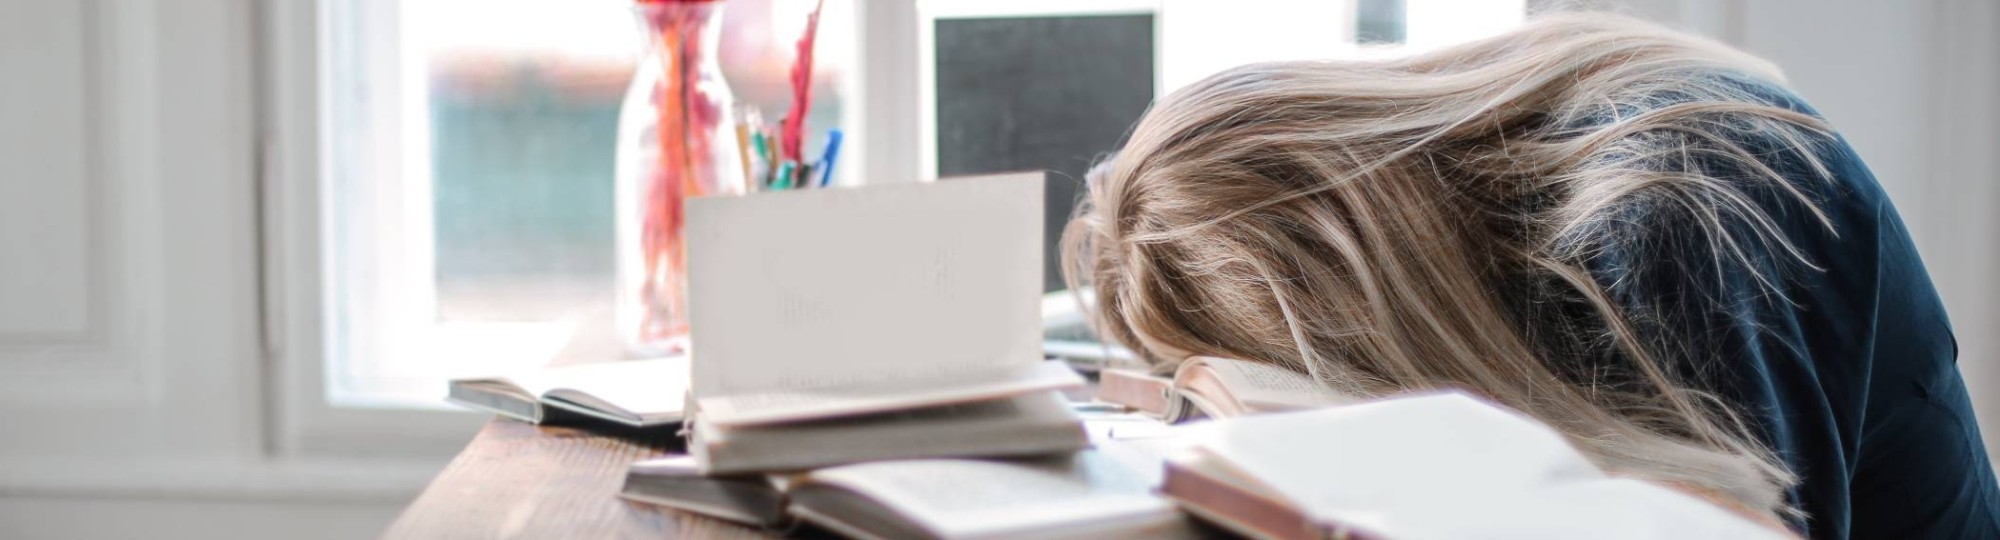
column 1024, row 425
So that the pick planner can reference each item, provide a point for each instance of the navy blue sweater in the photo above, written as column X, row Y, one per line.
column 1847, row 370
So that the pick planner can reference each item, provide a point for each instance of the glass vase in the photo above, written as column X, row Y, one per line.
column 676, row 140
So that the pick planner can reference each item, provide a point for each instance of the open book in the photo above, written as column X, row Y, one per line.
column 675, row 482
column 1216, row 388
column 850, row 303
column 1426, row 466
column 637, row 393
column 1105, row 492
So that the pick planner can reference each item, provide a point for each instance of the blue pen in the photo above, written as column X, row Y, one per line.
column 825, row 168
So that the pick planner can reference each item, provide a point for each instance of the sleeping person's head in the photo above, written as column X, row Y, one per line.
column 1441, row 220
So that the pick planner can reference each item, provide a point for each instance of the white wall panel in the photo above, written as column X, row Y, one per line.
column 46, row 178
column 77, row 187
column 128, row 261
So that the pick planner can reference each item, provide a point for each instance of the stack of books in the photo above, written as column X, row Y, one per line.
column 848, row 325
column 870, row 361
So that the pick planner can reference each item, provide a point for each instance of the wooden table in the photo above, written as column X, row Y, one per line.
column 518, row 480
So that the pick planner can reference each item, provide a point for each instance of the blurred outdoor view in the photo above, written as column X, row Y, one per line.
column 524, row 98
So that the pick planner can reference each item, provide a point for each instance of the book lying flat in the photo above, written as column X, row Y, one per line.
column 636, row 393
column 1024, row 425
column 1216, row 388
column 1426, row 466
column 1104, row 492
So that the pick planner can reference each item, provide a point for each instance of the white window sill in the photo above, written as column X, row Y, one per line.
column 415, row 373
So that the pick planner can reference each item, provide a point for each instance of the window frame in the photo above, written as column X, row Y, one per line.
column 296, row 158
column 294, row 162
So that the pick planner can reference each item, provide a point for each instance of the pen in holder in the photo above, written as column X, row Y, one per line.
column 676, row 139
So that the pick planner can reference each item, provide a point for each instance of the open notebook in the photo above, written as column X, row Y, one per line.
column 1424, row 466
column 851, row 303
column 1105, row 492
column 635, row 393
column 1216, row 388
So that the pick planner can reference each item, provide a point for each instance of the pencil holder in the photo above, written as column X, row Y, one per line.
column 675, row 140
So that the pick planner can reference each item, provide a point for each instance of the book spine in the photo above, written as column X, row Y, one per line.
column 1137, row 390
column 1235, row 508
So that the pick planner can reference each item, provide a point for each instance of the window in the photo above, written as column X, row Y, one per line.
column 467, row 145
column 470, row 194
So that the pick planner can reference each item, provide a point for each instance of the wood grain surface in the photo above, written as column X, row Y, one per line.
column 518, row 480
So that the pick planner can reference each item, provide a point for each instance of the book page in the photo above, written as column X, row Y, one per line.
column 888, row 394
column 643, row 388
column 673, row 465
column 1270, row 388
column 947, row 419
column 796, row 291
column 966, row 498
column 1354, row 464
column 1126, row 426
column 1603, row 508
column 1158, row 444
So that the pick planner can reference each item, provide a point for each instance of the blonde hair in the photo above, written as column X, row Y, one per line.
column 1380, row 225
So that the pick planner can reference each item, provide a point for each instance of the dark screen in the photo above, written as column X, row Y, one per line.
column 1040, row 93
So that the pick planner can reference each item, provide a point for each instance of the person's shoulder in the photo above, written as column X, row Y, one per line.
column 1757, row 89
column 1823, row 188
column 1816, row 159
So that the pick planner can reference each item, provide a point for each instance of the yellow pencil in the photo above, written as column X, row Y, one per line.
column 743, row 154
